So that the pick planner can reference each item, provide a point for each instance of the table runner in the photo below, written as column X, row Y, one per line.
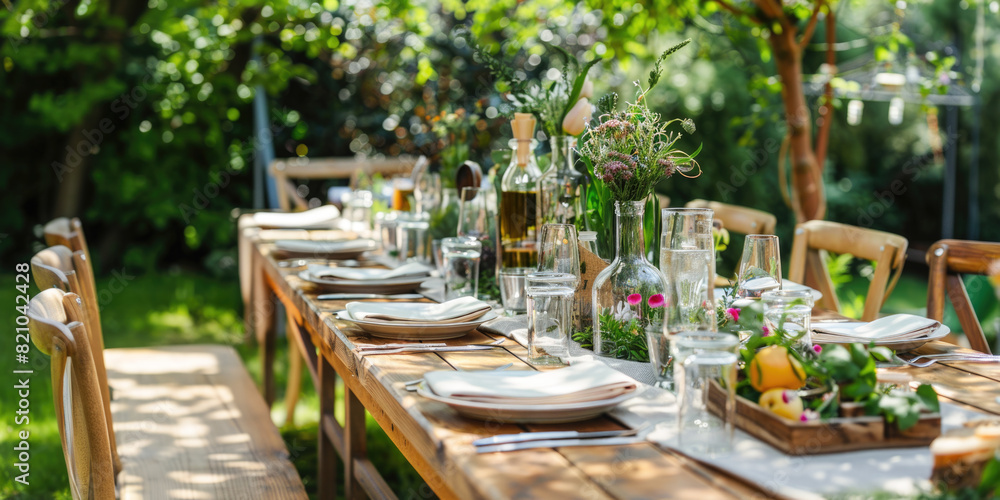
column 903, row 471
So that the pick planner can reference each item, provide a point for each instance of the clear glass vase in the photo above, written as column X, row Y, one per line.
column 628, row 296
column 559, row 187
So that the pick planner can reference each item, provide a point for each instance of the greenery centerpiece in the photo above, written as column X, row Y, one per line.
column 627, row 152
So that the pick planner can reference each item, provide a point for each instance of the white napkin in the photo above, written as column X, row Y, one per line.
column 413, row 269
column 579, row 383
column 320, row 216
column 894, row 327
column 457, row 310
column 320, row 247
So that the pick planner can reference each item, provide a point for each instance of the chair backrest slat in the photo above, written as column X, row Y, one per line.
column 738, row 219
column 813, row 238
column 331, row 168
column 948, row 260
column 55, row 322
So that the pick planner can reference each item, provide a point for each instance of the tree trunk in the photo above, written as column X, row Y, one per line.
column 808, row 196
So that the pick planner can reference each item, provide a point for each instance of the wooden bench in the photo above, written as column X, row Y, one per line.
column 188, row 421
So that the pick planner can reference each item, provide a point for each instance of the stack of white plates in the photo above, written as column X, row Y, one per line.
column 328, row 249
column 324, row 217
column 418, row 320
column 901, row 332
column 570, row 394
column 402, row 279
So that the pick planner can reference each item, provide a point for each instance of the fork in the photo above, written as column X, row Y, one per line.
column 964, row 358
column 951, row 354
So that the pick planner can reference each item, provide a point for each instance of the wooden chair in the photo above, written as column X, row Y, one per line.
column 55, row 267
column 330, row 168
column 814, row 238
column 948, row 260
column 200, row 392
column 739, row 219
column 55, row 321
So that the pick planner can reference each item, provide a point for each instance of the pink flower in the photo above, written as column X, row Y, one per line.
column 767, row 331
column 656, row 301
column 733, row 313
column 634, row 299
column 808, row 416
column 817, row 348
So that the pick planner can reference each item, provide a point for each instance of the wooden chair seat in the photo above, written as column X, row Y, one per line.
column 190, row 423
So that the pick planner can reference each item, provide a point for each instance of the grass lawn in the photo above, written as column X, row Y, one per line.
column 162, row 309
column 181, row 308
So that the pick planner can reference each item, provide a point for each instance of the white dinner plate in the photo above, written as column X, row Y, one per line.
column 333, row 249
column 400, row 330
column 526, row 414
column 394, row 285
column 901, row 345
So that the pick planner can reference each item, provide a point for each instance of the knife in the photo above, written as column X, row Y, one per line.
column 559, row 443
column 376, row 352
column 358, row 296
column 548, row 435
column 545, row 436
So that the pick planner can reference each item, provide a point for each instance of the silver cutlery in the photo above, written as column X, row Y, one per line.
column 951, row 354
column 291, row 263
column 560, row 443
column 359, row 296
column 554, row 435
column 401, row 350
column 961, row 358
column 412, row 385
column 374, row 347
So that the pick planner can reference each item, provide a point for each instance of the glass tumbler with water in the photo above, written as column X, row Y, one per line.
column 412, row 238
column 687, row 260
column 461, row 266
column 550, row 316
column 788, row 313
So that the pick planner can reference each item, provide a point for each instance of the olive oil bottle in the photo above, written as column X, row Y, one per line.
column 519, row 197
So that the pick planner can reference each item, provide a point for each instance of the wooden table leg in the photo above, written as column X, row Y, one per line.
column 355, row 444
column 294, row 386
column 264, row 302
column 327, row 469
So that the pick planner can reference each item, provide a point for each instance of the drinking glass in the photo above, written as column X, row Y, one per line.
column 438, row 256
column 473, row 214
column 550, row 320
column 788, row 312
column 709, row 384
column 760, row 266
column 687, row 260
column 559, row 250
column 385, row 228
column 512, row 289
column 427, row 192
column 402, row 190
column 461, row 266
column 412, row 242
column 686, row 344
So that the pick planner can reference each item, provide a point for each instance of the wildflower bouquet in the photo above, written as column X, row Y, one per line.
column 627, row 152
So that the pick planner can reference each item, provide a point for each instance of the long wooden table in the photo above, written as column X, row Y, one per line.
column 437, row 442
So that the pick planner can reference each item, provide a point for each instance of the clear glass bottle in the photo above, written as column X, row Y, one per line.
column 628, row 296
column 559, row 187
column 518, row 206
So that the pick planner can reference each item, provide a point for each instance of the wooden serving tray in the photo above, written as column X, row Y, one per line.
column 828, row 436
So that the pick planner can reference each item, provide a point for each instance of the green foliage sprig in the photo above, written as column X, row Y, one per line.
column 549, row 103
column 623, row 339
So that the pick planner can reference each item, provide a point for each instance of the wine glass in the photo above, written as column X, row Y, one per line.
column 559, row 250
column 760, row 266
